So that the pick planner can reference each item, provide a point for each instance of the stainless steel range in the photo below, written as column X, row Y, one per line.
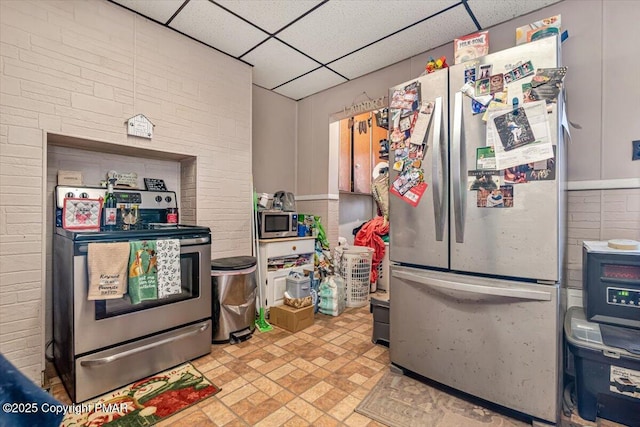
column 105, row 344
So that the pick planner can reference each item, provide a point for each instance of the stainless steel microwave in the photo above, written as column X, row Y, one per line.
column 275, row 224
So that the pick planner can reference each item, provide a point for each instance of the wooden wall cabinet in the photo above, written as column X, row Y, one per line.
column 360, row 138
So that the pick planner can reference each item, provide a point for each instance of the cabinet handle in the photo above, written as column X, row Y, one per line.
column 293, row 248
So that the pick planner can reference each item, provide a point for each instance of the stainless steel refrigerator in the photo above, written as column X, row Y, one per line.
column 475, row 292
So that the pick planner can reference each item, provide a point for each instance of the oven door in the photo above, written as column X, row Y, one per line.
column 103, row 323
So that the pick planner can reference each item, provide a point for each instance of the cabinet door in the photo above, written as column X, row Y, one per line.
column 362, row 154
column 277, row 285
column 344, row 162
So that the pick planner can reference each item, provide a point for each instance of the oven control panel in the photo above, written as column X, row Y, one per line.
column 146, row 199
column 622, row 296
column 128, row 197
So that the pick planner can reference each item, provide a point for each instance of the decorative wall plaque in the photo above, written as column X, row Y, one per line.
column 154, row 184
column 127, row 179
column 140, row 125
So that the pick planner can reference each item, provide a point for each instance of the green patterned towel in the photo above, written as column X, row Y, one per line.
column 143, row 278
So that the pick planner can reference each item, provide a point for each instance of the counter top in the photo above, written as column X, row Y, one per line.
column 285, row 239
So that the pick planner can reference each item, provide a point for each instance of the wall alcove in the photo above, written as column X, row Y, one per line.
column 94, row 159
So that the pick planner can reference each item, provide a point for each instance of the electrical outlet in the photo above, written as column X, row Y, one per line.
column 636, row 150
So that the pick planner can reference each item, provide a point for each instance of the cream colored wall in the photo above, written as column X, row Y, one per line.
column 82, row 68
column 274, row 141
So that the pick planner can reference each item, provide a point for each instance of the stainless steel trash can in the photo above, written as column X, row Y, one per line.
column 234, row 298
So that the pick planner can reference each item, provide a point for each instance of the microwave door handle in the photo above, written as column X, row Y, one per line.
column 459, row 166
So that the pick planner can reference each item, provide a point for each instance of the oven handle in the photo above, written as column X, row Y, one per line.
column 196, row 329
column 83, row 249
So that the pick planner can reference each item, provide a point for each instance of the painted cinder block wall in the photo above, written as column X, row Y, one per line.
column 82, row 68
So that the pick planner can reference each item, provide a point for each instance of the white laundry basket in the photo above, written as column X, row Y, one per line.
column 355, row 268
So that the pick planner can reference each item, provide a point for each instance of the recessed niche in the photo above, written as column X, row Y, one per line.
column 95, row 158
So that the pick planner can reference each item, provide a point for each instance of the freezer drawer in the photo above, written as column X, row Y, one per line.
column 101, row 372
column 494, row 339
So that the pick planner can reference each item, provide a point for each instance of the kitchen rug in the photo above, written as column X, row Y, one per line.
column 144, row 402
column 400, row 401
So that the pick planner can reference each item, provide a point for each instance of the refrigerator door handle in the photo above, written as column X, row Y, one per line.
column 469, row 289
column 439, row 201
column 458, row 166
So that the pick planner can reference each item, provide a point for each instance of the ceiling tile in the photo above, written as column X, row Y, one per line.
column 216, row 27
column 309, row 84
column 270, row 15
column 431, row 33
column 159, row 11
column 275, row 63
column 342, row 26
column 489, row 13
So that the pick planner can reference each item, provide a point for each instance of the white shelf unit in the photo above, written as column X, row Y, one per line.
column 279, row 257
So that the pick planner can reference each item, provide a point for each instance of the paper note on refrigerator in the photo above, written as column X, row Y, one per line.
column 423, row 123
column 520, row 136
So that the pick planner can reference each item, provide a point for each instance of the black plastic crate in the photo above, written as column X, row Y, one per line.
column 607, row 378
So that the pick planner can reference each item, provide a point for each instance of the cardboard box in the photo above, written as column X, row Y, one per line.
column 547, row 27
column 470, row 47
column 291, row 319
column 69, row 177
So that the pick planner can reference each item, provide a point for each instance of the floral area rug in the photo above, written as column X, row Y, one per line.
column 144, row 402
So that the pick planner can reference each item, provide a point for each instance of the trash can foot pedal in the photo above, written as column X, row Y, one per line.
column 240, row 336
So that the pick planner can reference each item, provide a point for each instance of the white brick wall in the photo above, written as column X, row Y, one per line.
column 599, row 215
column 81, row 68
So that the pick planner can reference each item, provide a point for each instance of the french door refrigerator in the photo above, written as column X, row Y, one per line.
column 476, row 301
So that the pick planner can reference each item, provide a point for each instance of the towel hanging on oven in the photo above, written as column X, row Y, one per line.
column 143, row 278
column 169, row 278
column 107, row 265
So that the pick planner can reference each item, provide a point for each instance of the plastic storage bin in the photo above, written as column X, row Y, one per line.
column 380, row 310
column 607, row 377
column 298, row 286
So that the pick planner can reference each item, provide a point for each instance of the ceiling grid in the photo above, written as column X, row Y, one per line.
column 301, row 47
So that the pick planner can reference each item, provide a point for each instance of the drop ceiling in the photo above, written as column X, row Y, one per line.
column 300, row 47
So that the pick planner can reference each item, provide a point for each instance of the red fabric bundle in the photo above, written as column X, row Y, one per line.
column 369, row 235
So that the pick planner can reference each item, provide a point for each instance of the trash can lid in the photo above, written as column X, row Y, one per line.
column 233, row 263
